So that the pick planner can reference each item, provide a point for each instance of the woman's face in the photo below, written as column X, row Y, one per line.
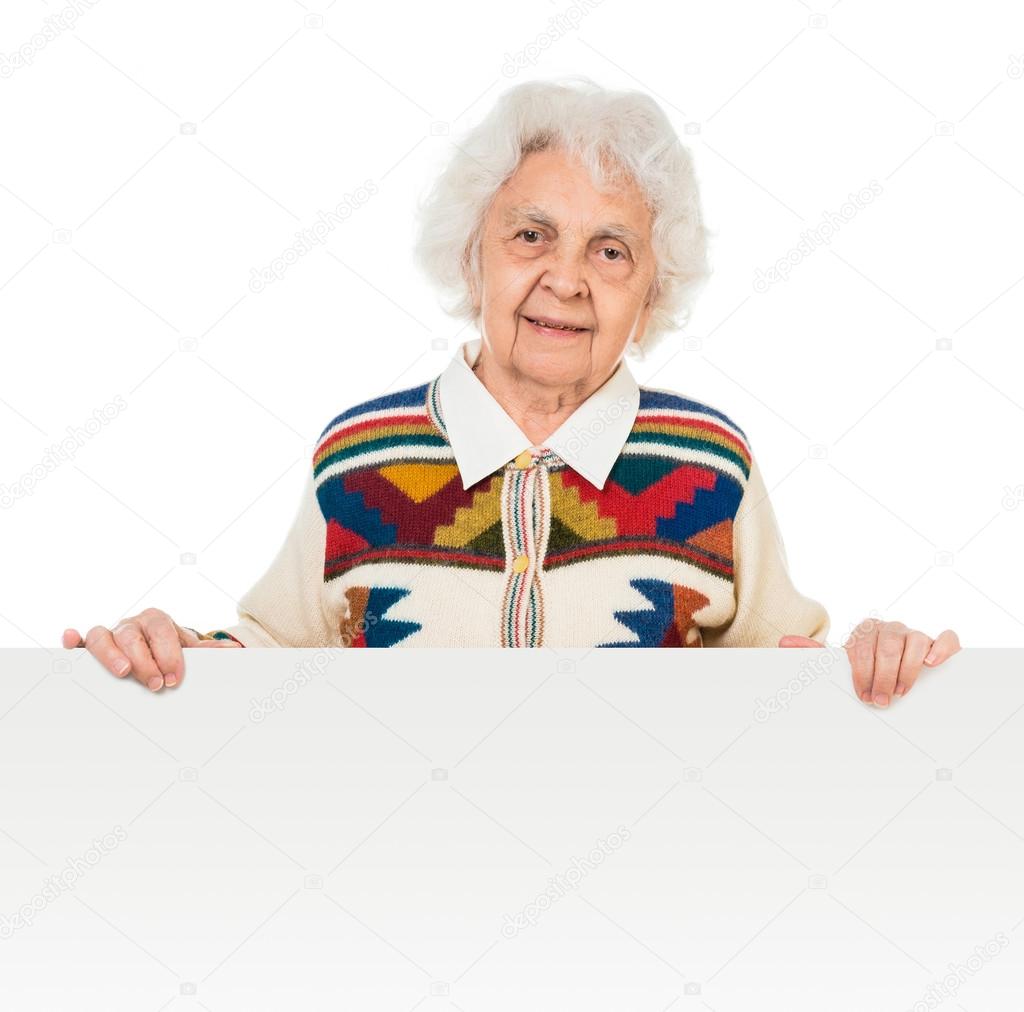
column 555, row 249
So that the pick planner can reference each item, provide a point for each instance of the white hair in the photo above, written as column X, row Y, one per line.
column 611, row 133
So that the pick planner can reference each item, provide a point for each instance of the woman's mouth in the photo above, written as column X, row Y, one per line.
column 553, row 328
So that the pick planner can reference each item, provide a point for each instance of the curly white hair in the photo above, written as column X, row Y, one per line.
column 610, row 132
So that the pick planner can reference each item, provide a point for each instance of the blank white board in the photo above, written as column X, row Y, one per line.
column 489, row 830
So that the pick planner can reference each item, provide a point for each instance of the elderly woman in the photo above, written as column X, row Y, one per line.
column 533, row 493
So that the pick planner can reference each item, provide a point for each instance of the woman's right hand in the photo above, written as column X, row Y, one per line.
column 147, row 646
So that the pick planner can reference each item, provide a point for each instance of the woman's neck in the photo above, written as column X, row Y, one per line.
column 537, row 409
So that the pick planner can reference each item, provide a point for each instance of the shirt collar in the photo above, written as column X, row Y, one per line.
column 484, row 437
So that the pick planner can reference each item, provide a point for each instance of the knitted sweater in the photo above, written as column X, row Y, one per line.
column 679, row 548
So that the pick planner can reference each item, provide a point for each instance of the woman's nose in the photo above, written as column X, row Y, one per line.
column 564, row 277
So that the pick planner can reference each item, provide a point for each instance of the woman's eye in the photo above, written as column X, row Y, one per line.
column 612, row 249
column 530, row 231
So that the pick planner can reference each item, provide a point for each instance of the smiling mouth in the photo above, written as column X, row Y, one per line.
column 541, row 324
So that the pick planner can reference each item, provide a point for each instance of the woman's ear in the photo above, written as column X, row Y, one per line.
column 471, row 281
column 645, row 314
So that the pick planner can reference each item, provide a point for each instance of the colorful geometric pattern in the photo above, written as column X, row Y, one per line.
column 366, row 626
column 687, row 430
column 668, row 622
column 389, row 490
column 684, row 511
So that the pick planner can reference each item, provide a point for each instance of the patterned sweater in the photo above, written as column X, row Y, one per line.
column 679, row 548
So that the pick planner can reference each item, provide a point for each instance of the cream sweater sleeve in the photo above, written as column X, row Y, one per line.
column 285, row 607
column 768, row 606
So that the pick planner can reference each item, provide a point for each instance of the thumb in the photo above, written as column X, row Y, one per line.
column 798, row 641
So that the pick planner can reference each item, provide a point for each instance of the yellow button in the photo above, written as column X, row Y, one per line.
column 525, row 459
column 520, row 563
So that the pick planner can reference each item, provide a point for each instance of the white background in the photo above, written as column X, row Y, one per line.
column 156, row 154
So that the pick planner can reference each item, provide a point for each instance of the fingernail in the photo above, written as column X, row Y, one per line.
column 930, row 659
column 866, row 695
column 170, row 679
column 881, row 699
column 156, row 682
column 123, row 668
column 899, row 691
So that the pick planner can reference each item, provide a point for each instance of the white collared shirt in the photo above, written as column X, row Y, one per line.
column 483, row 436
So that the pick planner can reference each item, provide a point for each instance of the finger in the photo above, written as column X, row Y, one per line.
column 888, row 656
column 945, row 645
column 860, row 649
column 130, row 638
column 187, row 638
column 72, row 638
column 99, row 641
column 191, row 638
column 165, row 637
column 913, row 657
column 798, row 641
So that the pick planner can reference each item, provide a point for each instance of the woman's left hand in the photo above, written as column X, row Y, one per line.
column 886, row 657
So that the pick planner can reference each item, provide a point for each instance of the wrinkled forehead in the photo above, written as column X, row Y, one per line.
column 551, row 191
